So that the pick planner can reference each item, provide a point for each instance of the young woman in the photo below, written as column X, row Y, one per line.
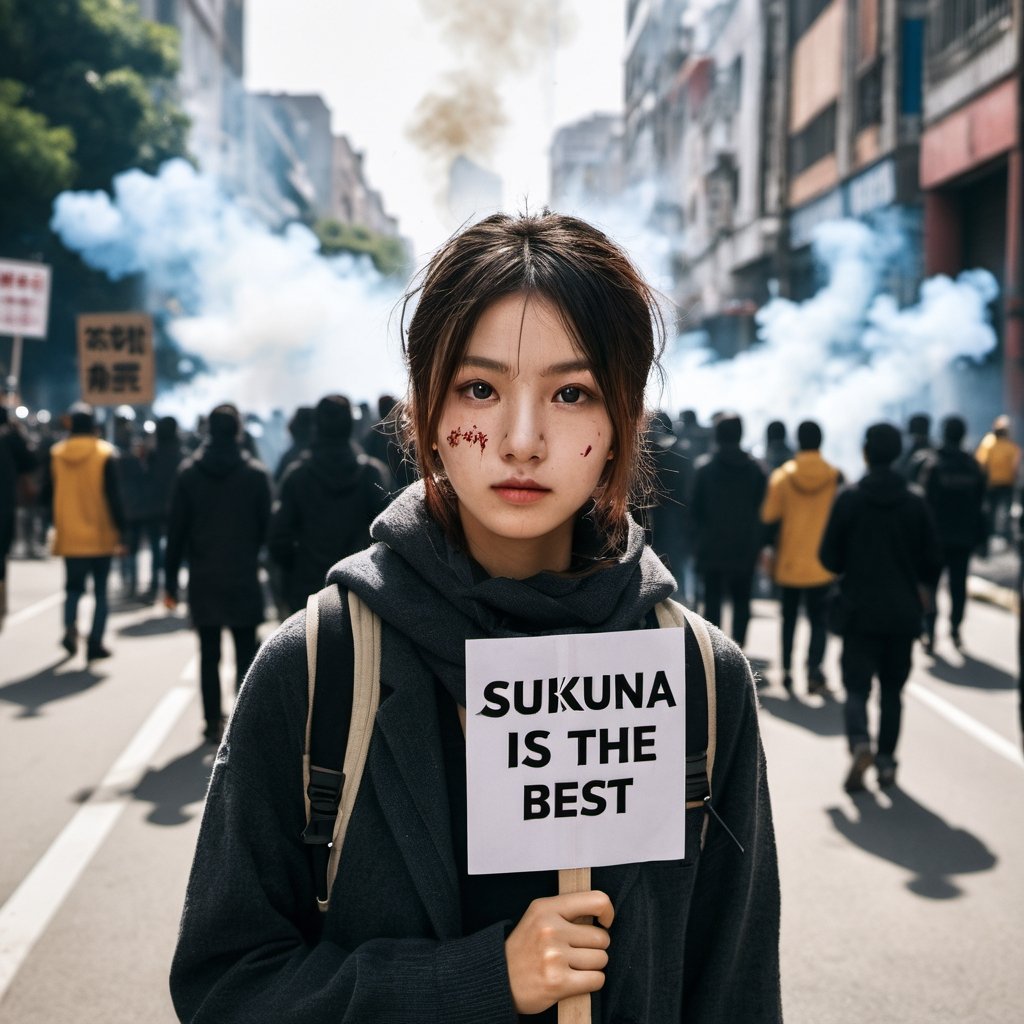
column 528, row 352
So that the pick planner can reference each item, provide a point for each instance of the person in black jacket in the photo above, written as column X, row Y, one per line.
column 954, row 485
column 728, row 489
column 219, row 515
column 529, row 351
column 328, row 499
column 16, row 458
column 881, row 538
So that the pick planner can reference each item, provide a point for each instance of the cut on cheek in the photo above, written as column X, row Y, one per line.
column 471, row 436
column 590, row 448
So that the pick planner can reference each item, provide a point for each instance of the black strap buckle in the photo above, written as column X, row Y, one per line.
column 324, row 792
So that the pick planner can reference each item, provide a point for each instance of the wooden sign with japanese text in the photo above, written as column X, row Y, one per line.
column 575, row 750
column 116, row 358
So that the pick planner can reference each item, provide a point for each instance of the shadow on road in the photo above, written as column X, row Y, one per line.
column 975, row 673
column 910, row 835
column 56, row 682
column 158, row 625
column 823, row 719
column 176, row 786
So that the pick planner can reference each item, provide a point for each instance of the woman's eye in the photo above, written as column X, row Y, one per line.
column 570, row 395
column 478, row 389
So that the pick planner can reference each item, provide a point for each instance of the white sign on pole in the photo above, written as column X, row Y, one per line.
column 24, row 298
column 575, row 750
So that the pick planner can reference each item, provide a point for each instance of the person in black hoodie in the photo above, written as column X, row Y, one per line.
column 328, row 499
column 954, row 485
column 882, row 540
column 528, row 351
column 16, row 459
column 219, row 515
column 728, row 489
column 162, row 464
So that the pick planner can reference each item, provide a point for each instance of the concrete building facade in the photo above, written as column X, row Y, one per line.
column 587, row 160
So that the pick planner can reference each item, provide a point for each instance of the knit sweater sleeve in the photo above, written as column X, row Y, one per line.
column 248, row 946
column 732, row 940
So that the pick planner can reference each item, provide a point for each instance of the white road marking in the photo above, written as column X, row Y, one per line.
column 34, row 609
column 31, row 907
column 991, row 739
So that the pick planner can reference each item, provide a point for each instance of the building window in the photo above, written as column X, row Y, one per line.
column 869, row 96
column 815, row 141
column 912, row 66
column 956, row 24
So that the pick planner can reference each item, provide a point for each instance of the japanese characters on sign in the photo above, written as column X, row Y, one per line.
column 24, row 298
column 116, row 359
column 575, row 750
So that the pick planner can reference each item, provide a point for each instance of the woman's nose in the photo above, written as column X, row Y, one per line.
column 524, row 434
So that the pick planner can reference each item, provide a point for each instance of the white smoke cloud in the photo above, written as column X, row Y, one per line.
column 849, row 355
column 278, row 324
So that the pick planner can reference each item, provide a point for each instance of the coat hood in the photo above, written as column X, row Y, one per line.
column 219, row 458
column 80, row 447
column 731, row 456
column 438, row 597
column 809, row 473
column 883, row 487
column 335, row 465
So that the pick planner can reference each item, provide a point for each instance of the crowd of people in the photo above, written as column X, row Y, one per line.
column 861, row 560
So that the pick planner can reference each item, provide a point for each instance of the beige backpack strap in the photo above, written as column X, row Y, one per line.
column 365, row 701
column 671, row 613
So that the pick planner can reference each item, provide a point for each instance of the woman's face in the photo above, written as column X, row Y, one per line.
column 524, row 438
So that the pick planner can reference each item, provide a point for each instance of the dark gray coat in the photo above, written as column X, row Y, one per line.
column 693, row 940
column 219, row 516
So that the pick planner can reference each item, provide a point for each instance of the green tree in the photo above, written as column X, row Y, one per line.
column 388, row 254
column 86, row 92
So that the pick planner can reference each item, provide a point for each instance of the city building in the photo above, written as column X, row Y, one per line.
column 352, row 200
column 473, row 191
column 210, row 78
column 971, row 161
column 587, row 160
column 853, row 127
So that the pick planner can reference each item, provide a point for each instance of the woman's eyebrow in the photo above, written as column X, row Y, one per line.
column 571, row 366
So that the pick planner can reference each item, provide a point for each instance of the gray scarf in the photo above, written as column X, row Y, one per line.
column 433, row 593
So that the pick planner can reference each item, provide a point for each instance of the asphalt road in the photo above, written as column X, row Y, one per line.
column 901, row 907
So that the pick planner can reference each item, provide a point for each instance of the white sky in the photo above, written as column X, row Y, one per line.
column 373, row 62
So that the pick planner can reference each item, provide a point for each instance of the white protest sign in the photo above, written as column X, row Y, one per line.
column 575, row 750
column 24, row 298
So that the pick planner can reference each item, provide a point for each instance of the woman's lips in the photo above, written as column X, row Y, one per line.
column 520, row 492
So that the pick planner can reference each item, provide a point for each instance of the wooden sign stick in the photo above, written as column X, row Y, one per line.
column 575, row 1010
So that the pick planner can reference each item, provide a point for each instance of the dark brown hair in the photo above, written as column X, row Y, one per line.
column 605, row 305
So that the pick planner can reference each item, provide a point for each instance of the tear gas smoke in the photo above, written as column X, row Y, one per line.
column 849, row 355
column 278, row 324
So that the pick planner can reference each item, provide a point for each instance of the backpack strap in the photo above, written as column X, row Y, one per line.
column 699, row 764
column 342, row 643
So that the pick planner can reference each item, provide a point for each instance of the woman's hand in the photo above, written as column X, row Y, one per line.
column 551, row 956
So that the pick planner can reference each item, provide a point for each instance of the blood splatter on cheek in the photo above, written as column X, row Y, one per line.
column 471, row 436
column 590, row 448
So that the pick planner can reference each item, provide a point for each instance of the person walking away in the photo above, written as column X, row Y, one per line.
column 777, row 451
column 728, row 489
column 999, row 456
column 328, row 500
column 383, row 443
column 89, row 523
column 16, row 460
column 529, row 350
column 671, row 532
column 300, row 427
column 220, row 509
column 163, row 461
column 882, row 540
column 798, row 502
column 919, row 447
column 133, row 473
column 954, row 486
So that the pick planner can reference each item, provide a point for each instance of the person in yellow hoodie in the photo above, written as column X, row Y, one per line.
column 798, row 502
column 88, row 522
column 999, row 456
